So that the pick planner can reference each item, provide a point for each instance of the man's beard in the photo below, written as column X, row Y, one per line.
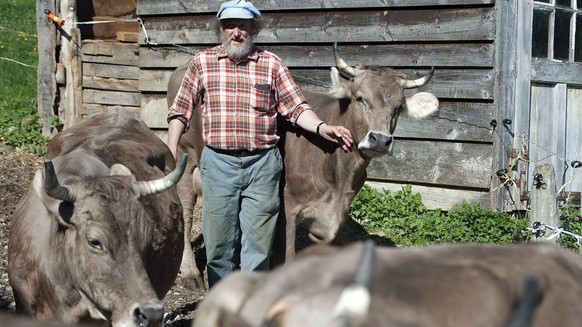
column 240, row 51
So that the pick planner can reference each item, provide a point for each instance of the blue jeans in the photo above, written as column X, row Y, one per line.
column 240, row 206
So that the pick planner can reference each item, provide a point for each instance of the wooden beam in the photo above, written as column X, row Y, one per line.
column 156, row 7
column 446, row 83
column 446, row 164
column 551, row 71
column 434, row 197
column 399, row 25
column 111, row 98
column 478, row 55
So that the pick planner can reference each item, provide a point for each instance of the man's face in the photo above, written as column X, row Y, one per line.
column 237, row 37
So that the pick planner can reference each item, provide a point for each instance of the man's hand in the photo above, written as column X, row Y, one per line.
column 337, row 134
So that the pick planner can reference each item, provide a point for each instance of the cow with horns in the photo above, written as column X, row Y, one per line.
column 99, row 235
column 368, row 102
column 469, row 285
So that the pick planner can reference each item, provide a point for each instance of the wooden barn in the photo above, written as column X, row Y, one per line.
column 508, row 75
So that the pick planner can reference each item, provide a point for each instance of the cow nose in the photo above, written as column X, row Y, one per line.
column 376, row 141
column 148, row 316
column 379, row 139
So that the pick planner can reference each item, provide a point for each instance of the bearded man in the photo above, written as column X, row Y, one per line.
column 241, row 89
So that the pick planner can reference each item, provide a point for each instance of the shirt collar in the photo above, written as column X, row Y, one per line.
column 254, row 56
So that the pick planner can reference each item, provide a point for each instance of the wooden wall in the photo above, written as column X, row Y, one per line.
column 448, row 158
column 110, row 77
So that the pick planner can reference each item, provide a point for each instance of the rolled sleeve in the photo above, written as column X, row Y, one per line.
column 186, row 98
column 292, row 103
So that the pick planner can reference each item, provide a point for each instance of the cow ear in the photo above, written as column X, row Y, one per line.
column 119, row 169
column 62, row 211
column 38, row 183
column 339, row 85
column 421, row 105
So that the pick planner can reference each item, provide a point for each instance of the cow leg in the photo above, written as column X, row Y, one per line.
column 187, row 191
column 290, row 240
column 285, row 236
column 280, row 241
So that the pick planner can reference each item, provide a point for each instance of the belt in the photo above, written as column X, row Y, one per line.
column 236, row 153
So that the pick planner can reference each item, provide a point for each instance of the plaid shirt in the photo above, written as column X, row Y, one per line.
column 238, row 102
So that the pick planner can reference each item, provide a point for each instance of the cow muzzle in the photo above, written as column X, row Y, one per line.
column 149, row 315
column 143, row 315
column 376, row 143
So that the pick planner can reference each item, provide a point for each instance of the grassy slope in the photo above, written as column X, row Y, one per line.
column 18, row 84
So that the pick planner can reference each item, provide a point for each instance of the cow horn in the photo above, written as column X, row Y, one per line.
column 414, row 83
column 354, row 302
column 529, row 301
column 161, row 184
column 52, row 187
column 341, row 64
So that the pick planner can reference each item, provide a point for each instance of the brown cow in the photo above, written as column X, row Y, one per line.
column 99, row 235
column 320, row 179
column 441, row 286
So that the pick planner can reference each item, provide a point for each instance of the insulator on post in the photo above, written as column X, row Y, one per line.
column 54, row 18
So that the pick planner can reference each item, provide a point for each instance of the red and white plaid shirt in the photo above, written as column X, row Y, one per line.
column 239, row 102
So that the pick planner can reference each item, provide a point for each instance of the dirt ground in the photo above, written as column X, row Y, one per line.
column 17, row 169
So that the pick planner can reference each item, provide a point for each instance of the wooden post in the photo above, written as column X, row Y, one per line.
column 70, row 56
column 46, row 84
column 544, row 207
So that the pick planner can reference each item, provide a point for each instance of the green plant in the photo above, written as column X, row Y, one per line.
column 571, row 222
column 19, row 121
column 402, row 217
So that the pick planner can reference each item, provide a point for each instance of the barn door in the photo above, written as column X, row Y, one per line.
column 555, row 111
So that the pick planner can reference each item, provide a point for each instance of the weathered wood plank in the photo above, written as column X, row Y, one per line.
column 113, row 84
column 573, row 176
column 111, row 71
column 153, row 80
column 89, row 110
column 114, row 25
column 551, row 71
column 466, row 165
column 156, row 7
column 438, row 197
column 111, row 98
column 508, row 31
column 113, row 8
column 543, row 207
column 393, row 55
column 458, row 121
column 446, row 83
column 108, row 52
column 46, row 85
column 456, row 24
column 546, row 131
column 154, row 110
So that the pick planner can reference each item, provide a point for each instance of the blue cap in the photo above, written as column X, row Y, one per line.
column 238, row 9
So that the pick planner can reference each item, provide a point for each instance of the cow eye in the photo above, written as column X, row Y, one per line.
column 359, row 99
column 96, row 244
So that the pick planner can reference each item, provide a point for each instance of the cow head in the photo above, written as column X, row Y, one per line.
column 376, row 96
column 103, row 231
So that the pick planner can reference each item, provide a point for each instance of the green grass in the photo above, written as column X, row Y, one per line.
column 19, row 124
